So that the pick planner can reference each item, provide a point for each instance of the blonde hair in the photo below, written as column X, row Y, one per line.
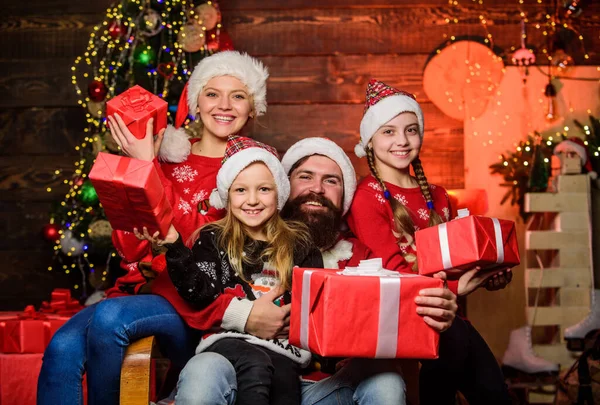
column 402, row 221
column 283, row 238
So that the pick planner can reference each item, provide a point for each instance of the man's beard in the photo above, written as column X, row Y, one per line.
column 323, row 225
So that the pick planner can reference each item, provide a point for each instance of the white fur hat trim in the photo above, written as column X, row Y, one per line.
column 328, row 148
column 382, row 112
column 238, row 162
column 242, row 66
column 176, row 146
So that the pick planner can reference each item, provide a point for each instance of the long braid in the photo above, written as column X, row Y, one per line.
column 434, row 217
column 402, row 220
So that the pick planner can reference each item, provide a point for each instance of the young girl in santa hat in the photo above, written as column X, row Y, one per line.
column 224, row 92
column 389, row 206
column 248, row 253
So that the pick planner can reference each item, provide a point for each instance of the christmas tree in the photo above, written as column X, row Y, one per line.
column 151, row 43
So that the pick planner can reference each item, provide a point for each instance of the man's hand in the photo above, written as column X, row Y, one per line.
column 267, row 320
column 475, row 278
column 437, row 306
column 499, row 280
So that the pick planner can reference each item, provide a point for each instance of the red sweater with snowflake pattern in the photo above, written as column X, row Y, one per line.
column 188, row 186
column 372, row 221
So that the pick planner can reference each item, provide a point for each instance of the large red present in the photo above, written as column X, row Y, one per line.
column 348, row 314
column 131, row 193
column 28, row 331
column 61, row 303
column 467, row 242
column 136, row 106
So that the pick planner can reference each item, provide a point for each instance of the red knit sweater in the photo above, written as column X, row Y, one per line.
column 372, row 221
column 188, row 186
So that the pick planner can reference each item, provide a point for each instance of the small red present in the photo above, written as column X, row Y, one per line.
column 61, row 303
column 28, row 331
column 340, row 315
column 131, row 193
column 136, row 106
column 465, row 243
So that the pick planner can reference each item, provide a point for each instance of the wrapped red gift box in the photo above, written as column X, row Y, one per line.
column 136, row 106
column 19, row 376
column 338, row 315
column 131, row 193
column 61, row 303
column 28, row 331
column 466, row 242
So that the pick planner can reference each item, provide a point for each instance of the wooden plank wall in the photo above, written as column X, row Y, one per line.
column 321, row 55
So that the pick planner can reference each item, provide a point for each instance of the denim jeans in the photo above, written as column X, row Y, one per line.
column 95, row 340
column 209, row 379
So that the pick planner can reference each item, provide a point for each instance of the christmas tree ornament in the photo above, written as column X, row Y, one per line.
column 97, row 91
column 462, row 78
column 144, row 55
column 539, row 173
column 572, row 8
column 88, row 194
column 151, row 23
column 523, row 57
column 100, row 229
column 116, row 29
column 550, row 93
column 78, row 181
column 96, row 108
column 206, row 15
column 191, row 38
column 50, row 232
column 70, row 245
column 166, row 70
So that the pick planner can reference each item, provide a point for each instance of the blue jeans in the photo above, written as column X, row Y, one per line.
column 209, row 379
column 95, row 340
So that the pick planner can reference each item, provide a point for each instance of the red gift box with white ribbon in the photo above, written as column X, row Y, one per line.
column 350, row 314
column 136, row 106
column 466, row 242
column 131, row 193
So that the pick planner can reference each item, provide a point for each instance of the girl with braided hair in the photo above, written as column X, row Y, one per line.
column 389, row 206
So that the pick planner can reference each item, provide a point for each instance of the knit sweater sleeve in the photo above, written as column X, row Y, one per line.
column 370, row 219
column 194, row 271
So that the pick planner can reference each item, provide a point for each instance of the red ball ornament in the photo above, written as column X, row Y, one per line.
column 78, row 181
column 50, row 232
column 97, row 91
column 116, row 30
column 166, row 70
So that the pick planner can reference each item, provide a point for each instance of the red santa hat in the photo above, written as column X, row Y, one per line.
column 241, row 152
column 383, row 103
column 576, row 145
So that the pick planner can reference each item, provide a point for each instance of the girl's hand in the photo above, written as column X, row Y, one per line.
column 172, row 236
column 437, row 306
column 499, row 280
column 473, row 279
column 143, row 149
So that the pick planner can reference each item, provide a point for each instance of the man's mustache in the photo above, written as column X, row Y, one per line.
column 318, row 198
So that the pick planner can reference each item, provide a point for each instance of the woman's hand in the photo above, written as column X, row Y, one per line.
column 172, row 236
column 475, row 278
column 437, row 306
column 267, row 320
column 143, row 149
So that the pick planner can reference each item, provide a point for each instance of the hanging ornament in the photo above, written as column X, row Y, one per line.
column 97, row 91
column 144, row 55
column 550, row 93
column 96, row 108
column 191, row 38
column 562, row 61
column 523, row 57
column 206, row 15
column 572, row 8
column 166, row 70
column 50, row 232
column 88, row 194
column 100, row 229
column 70, row 244
column 78, row 181
column 151, row 23
column 116, row 29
